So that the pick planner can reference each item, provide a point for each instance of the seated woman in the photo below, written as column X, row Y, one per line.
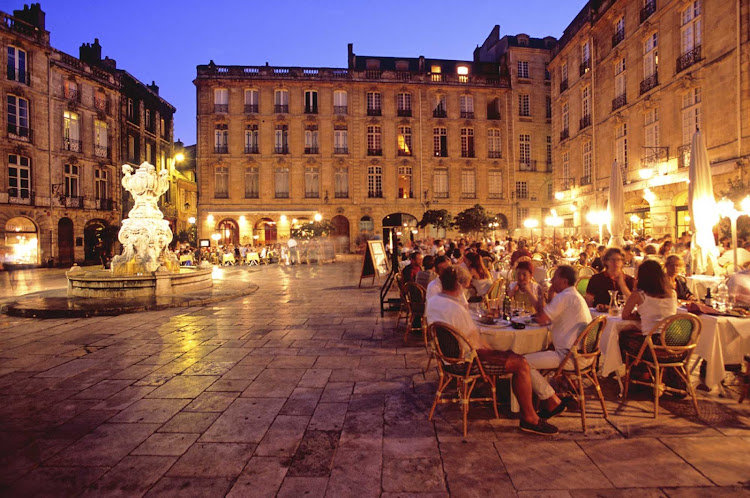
column 674, row 266
column 655, row 300
column 524, row 272
column 611, row 279
column 480, row 275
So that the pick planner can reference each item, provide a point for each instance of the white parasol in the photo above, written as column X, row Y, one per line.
column 616, row 207
column 703, row 213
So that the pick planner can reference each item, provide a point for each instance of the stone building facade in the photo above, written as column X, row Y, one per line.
column 60, row 192
column 631, row 81
column 370, row 146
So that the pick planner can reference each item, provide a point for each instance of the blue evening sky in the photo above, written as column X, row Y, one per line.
column 164, row 40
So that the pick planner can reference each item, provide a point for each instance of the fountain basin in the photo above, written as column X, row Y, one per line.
column 103, row 284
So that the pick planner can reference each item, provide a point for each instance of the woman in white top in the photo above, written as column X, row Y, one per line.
column 655, row 300
column 524, row 272
column 481, row 278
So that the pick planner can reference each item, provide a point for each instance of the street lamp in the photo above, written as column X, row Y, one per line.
column 318, row 217
column 727, row 210
column 598, row 218
column 553, row 221
column 531, row 224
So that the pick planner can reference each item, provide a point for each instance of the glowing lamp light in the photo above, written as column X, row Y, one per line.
column 530, row 223
column 256, row 237
column 745, row 204
column 294, row 221
column 179, row 157
column 573, row 208
column 283, row 218
column 559, row 196
column 191, row 220
column 635, row 219
column 318, row 217
column 415, row 231
column 726, row 208
column 687, row 218
column 645, row 173
column 398, row 233
column 649, row 196
column 216, row 236
column 210, row 218
column 242, row 219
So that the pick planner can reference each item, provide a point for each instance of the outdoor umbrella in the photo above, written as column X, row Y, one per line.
column 703, row 214
column 616, row 207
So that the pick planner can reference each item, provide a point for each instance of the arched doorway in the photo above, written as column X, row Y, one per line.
column 404, row 221
column 229, row 231
column 65, row 247
column 502, row 221
column 638, row 217
column 340, row 233
column 265, row 230
column 94, row 240
column 21, row 241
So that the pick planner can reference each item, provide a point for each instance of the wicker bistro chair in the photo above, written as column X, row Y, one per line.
column 677, row 338
column 584, row 355
column 403, row 310
column 453, row 366
column 586, row 271
column 582, row 284
column 551, row 272
column 495, row 291
column 415, row 302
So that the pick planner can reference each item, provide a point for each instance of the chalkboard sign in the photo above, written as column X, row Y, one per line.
column 375, row 262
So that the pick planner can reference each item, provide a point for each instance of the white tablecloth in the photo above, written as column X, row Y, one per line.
column 698, row 284
column 611, row 359
column 521, row 341
column 227, row 258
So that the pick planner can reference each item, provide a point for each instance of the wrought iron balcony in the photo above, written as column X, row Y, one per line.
column 72, row 94
column 689, row 58
column 374, row 112
column 584, row 122
column 375, row 194
column 281, row 108
column 441, row 153
column 563, row 85
column 221, row 107
column 71, row 144
column 439, row 113
column 105, row 204
column 440, row 195
column 618, row 37
column 20, row 196
column 221, row 149
column 468, row 195
column 101, row 151
column 649, row 82
column 585, row 180
column 102, row 105
column 467, row 114
column 312, row 150
column 23, row 133
column 403, row 152
column 251, row 108
column 683, row 156
column 281, row 149
column 648, row 9
column 528, row 165
column 341, row 150
column 340, row 109
column 311, row 109
column 374, row 152
column 568, row 183
column 494, row 154
column 403, row 194
column 18, row 75
column 251, row 149
column 619, row 101
column 585, row 67
column 564, row 134
column 467, row 153
column 496, row 195
column 404, row 113
column 72, row 201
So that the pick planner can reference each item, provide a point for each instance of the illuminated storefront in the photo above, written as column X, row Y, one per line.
column 21, row 242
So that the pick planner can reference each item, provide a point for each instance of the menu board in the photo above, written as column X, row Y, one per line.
column 375, row 263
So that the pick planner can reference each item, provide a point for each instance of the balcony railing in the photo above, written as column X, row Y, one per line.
column 468, row 195
column 22, row 133
column 20, row 196
column 312, row 150
column 467, row 114
column 584, row 122
column 564, row 134
column 403, row 152
column 649, row 82
column 375, row 194
column 251, row 108
column 341, row 195
column 72, row 201
column 584, row 67
column 105, row 204
column 71, row 145
column 17, row 75
column 374, row 112
column 494, row 154
column 311, row 109
column 404, row 113
column 341, row 150
column 648, row 9
column 101, row 151
column 281, row 108
column 495, row 195
column 568, row 183
column 467, row 153
column 340, row 109
column 440, row 195
column 281, row 149
column 585, row 180
column 683, row 156
column 72, row 94
column 221, row 149
column 251, row 149
column 374, row 152
column 439, row 113
column 619, row 101
column 532, row 165
column 618, row 37
column 403, row 194
column 221, row 107
column 689, row 58
column 563, row 85
column 102, row 105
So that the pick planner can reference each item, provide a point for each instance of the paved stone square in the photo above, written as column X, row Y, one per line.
column 302, row 389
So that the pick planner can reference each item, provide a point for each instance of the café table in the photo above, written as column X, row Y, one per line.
column 186, row 259
column 698, row 284
column 502, row 337
column 252, row 258
column 227, row 258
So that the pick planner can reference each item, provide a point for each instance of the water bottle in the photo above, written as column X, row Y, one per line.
column 708, row 301
column 506, row 307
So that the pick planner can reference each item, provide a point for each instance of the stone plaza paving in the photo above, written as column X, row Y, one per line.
column 302, row 389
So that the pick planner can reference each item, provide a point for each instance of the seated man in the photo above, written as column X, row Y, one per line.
column 414, row 267
column 435, row 287
column 446, row 307
column 613, row 278
column 567, row 314
column 427, row 275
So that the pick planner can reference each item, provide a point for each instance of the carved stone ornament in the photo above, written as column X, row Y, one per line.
column 145, row 235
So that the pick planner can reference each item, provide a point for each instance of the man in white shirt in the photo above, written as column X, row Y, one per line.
column 447, row 307
column 435, row 287
column 568, row 314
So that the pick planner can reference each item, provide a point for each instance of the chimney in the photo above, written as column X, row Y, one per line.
column 31, row 14
column 352, row 59
column 91, row 53
column 153, row 87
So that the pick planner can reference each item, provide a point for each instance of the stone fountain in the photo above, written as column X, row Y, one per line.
column 146, row 266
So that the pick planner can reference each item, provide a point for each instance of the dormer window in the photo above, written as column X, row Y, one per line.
column 373, row 64
column 523, row 40
column 463, row 74
column 402, row 65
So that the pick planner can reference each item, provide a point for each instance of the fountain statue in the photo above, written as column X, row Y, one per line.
column 145, row 235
